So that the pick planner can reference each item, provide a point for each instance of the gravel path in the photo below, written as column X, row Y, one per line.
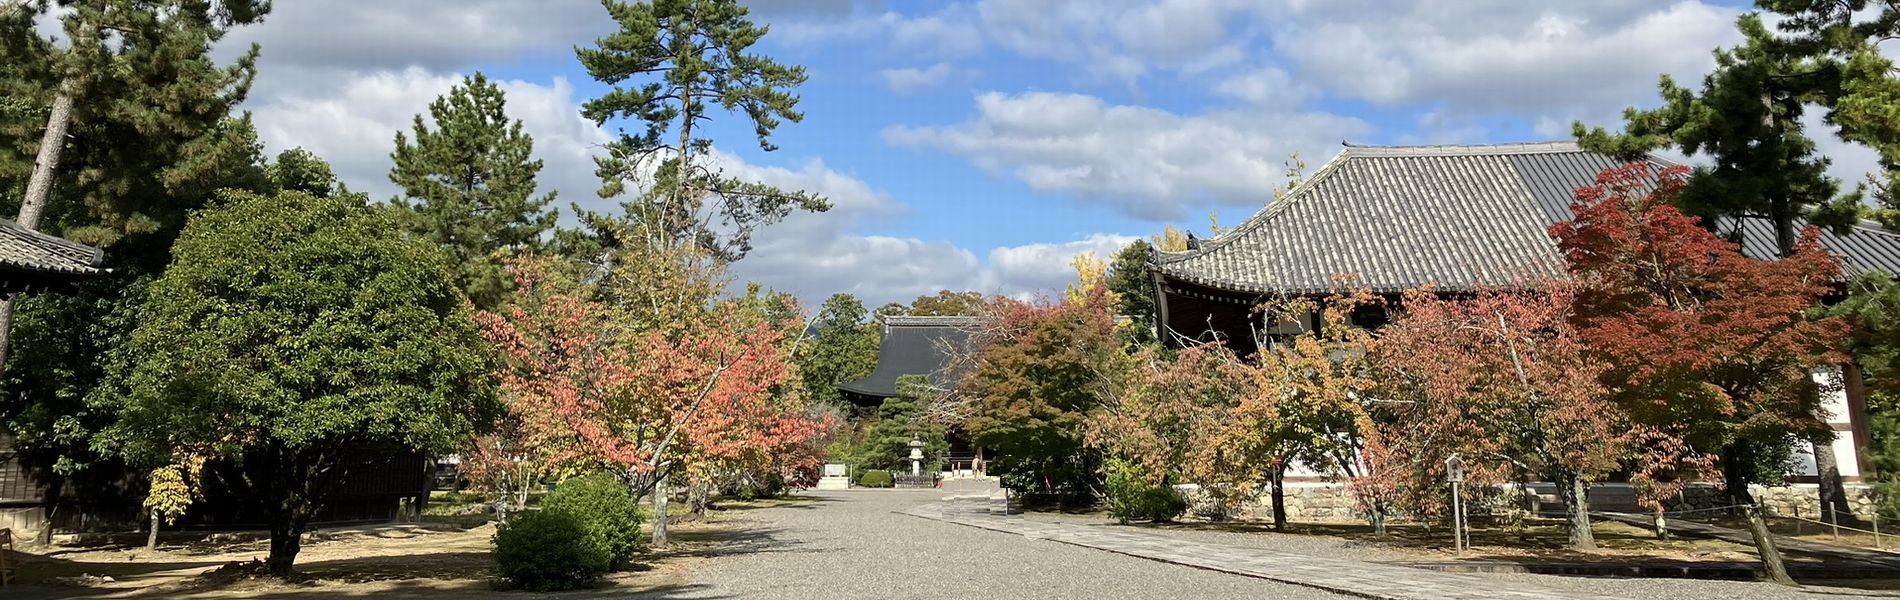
column 849, row 544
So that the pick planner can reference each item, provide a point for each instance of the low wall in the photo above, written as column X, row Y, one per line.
column 1323, row 501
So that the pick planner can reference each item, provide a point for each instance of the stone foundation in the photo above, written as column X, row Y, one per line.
column 1322, row 501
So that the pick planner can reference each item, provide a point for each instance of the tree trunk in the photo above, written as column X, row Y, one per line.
column 1279, row 496
column 659, row 512
column 1576, row 496
column 38, row 188
column 286, row 539
column 1377, row 516
column 1765, row 546
column 1832, row 490
column 151, row 539
column 1738, row 459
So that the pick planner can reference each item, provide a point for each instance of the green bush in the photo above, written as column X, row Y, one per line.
column 1132, row 498
column 605, row 508
column 549, row 550
column 876, row 478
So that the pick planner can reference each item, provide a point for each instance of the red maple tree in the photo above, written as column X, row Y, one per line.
column 1710, row 352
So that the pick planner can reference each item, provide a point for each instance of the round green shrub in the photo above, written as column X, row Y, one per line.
column 550, row 550
column 605, row 508
column 876, row 478
column 1132, row 498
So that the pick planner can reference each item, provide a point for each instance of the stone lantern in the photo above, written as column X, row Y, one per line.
column 916, row 456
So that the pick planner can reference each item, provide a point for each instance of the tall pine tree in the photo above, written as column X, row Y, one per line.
column 670, row 63
column 468, row 183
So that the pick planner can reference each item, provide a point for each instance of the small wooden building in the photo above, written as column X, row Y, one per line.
column 32, row 262
column 1455, row 217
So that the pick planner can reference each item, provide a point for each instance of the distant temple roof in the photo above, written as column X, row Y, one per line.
column 1461, row 217
column 31, row 261
column 912, row 346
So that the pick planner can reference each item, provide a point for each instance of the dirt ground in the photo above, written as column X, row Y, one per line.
column 398, row 561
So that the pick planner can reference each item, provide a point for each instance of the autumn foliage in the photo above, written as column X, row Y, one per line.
column 586, row 391
column 1709, row 351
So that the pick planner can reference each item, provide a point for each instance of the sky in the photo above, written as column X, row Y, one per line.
column 982, row 144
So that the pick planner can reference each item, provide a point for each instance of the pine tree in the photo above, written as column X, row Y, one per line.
column 469, row 183
column 1838, row 42
column 1747, row 120
column 669, row 64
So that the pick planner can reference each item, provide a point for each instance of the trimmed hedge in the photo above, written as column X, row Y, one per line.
column 605, row 508
column 1132, row 498
column 876, row 478
column 550, row 550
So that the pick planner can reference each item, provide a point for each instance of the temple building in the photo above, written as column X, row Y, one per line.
column 927, row 347
column 1458, row 218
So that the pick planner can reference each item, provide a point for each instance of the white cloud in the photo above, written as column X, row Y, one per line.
column 439, row 35
column 949, row 33
column 1142, row 161
column 1121, row 39
column 1555, row 61
column 1047, row 267
column 911, row 79
column 814, row 255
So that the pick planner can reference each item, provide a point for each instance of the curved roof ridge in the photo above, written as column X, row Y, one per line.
column 1464, row 149
column 1272, row 208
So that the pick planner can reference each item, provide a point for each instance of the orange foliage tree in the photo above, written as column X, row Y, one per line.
column 1709, row 351
column 1502, row 380
column 584, row 391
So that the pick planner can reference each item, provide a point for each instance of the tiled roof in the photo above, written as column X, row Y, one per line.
column 23, row 249
column 1459, row 217
column 924, row 346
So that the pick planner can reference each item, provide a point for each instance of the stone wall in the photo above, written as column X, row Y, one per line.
column 1793, row 500
column 1322, row 501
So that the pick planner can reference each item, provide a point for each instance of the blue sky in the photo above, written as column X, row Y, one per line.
column 980, row 144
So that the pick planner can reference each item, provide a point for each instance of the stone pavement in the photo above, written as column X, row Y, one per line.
column 1358, row 578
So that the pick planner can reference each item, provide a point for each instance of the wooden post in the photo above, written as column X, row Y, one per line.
column 659, row 512
column 1834, row 521
column 1771, row 564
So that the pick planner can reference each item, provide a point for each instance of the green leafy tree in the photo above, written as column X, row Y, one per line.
column 946, row 303
column 1873, row 305
column 1038, row 376
column 670, row 63
column 1134, row 290
column 289, row 332
column 469, row 181
column 843, row 348
column 300, row 170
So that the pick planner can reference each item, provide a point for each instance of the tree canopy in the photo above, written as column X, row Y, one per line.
column 289, row 330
